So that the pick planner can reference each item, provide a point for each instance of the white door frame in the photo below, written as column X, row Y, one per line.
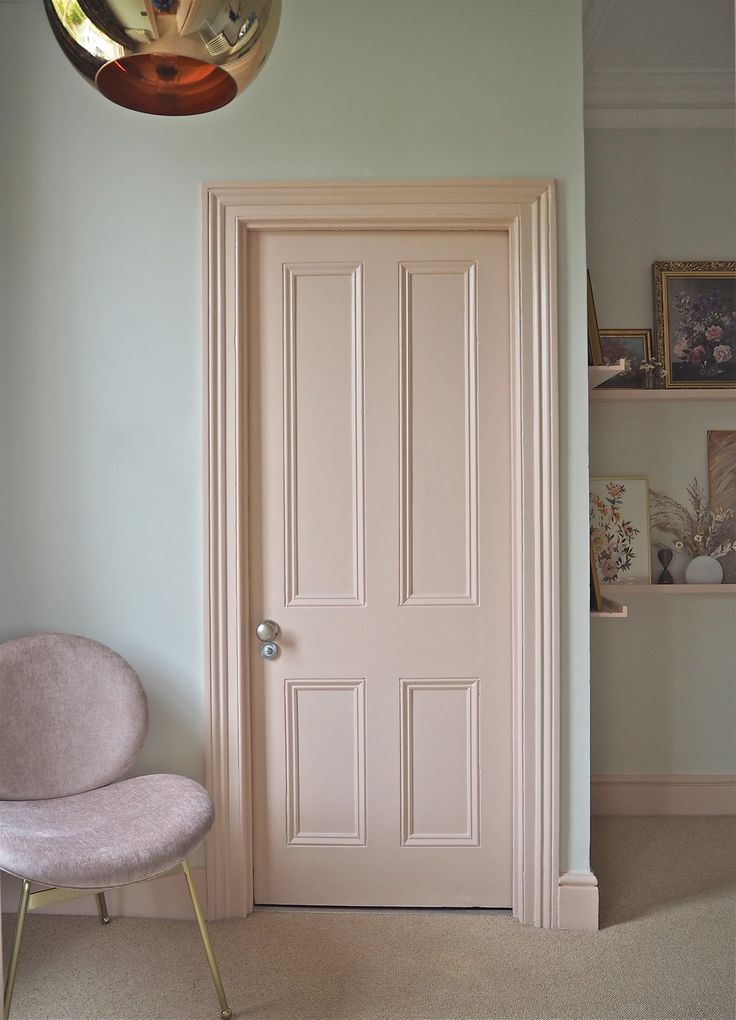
column 525, row 209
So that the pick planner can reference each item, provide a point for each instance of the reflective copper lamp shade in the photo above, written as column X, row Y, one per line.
column 171, row 57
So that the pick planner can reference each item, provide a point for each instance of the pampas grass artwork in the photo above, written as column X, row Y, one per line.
column 722, row 483
column 700, row 529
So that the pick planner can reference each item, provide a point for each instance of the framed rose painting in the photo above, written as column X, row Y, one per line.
column 619, row 530
column 695, row 315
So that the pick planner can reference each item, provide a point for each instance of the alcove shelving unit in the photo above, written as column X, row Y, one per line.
column 597, row 375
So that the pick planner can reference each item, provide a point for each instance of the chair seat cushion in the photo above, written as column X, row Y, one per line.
column 129, row 831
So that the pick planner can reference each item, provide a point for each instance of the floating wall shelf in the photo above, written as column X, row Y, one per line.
column 611, row 611
column 598, row 374
column 669, row 589
column 616, row 396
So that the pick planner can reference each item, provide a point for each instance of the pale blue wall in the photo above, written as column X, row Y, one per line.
column 664, row 680
column 101, row 373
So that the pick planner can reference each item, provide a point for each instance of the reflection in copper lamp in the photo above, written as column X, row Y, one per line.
column 171, row 57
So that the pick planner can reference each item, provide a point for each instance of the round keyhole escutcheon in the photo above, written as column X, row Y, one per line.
column 269, row 650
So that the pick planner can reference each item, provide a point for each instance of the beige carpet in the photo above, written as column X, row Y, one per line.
column 666, row 951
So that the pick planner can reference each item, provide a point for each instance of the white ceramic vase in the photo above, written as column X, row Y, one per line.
column 704, row 570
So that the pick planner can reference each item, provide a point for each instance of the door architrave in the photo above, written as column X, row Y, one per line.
column 525, row 209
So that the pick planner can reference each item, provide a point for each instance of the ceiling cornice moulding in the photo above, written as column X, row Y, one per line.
column 625, row 97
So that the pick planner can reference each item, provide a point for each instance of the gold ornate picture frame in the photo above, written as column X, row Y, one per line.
column 695, row 323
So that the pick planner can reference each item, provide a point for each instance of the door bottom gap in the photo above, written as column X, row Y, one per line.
column 296, row 908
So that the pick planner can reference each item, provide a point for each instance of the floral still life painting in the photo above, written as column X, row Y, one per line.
column 619, row 529
column 695, row 306
column 634, row 346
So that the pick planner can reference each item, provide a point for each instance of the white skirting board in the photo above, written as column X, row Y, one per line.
column 578, row 901
column 663, row 795
column 165, row 897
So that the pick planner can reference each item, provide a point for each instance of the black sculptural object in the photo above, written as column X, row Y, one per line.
column 665, row 558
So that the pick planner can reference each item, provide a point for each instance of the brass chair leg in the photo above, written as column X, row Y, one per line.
column 102, row 906
column 225, row 1011
column 25, row 892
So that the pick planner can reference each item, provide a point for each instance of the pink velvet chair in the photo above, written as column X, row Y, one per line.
column 74, row 718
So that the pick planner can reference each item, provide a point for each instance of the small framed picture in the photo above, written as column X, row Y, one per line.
column 594, row 341
column 619, row 529
column 695, row 316
column 635, row 345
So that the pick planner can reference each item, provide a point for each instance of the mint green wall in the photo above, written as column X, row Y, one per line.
column 101, row 402
column 662, row 681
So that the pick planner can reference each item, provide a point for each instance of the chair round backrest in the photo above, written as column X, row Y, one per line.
column 74, row 716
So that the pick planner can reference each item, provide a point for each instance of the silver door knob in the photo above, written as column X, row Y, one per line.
column 267, row 630
column 269, row 650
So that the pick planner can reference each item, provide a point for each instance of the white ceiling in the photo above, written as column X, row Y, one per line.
column 653, row 34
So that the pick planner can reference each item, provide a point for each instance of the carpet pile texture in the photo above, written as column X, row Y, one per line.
column 666, row 951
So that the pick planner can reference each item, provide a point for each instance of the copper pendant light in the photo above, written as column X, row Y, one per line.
column 170, row 57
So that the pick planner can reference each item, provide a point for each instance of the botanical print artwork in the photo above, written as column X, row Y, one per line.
column 619, row 529
column 696, row 322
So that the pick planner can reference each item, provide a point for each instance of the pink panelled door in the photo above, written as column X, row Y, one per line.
column 380, row 508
